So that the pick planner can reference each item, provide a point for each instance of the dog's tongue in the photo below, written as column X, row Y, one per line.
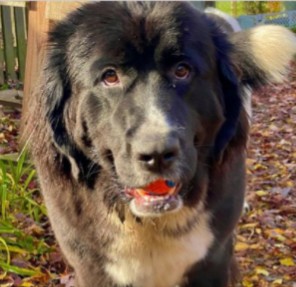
column 155, row 198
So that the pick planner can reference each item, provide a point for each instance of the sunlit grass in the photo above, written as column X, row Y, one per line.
column 21, row 214
column 239, row 8
column 235, row 9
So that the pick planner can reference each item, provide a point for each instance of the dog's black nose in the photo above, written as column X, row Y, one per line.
column 157, row 162
column 158, row 156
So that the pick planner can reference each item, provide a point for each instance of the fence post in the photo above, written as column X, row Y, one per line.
column 37, row 28
column 8, row 42
column 1, row 53
column 21, row 36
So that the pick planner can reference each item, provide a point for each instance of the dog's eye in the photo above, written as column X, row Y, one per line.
column 182, row 71
column 110, row 77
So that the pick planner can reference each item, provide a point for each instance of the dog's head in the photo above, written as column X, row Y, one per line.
column 149, row 93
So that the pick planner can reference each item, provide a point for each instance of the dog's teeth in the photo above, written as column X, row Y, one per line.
column 166, row 207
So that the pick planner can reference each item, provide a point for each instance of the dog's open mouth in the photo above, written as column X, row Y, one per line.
column 156, row 198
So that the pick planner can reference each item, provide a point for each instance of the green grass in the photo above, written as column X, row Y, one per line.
column 3, row 87
column 226, row 7
column 21, row 214
column 239, row 8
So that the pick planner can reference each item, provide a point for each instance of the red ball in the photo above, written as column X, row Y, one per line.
column 158, row 187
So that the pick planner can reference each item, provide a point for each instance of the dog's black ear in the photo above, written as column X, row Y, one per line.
column 56, row 86
column 231, row 98
column 249, row 58
column 57, row 91
column 232, row 103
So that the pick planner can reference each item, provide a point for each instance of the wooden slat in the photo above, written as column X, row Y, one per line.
column 21, row 36
column 8, row 42
column 11, row 98
column 58, row 10
column 37, row 28
column 13, row 3
column 1, row 52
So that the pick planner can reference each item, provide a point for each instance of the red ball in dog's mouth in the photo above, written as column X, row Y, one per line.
column 156, row 198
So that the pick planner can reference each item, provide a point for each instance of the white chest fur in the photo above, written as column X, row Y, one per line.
column 143, row 258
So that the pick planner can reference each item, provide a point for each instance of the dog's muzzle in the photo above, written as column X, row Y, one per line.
column 157, row 198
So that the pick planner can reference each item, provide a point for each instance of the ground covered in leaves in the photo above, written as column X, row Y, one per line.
column 266, row 236
column 266, row 245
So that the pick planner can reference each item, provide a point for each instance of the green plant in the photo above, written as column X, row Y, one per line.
column 21, row 214
column 3, row 87
column 261, row 7
column 293, row 29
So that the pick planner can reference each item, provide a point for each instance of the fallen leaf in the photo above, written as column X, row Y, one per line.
column 261, row 271
column 240, row 246
column 277, row 281
column 287, row 261
column 261, row 193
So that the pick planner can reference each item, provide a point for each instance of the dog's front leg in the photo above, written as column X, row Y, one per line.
column 216, row 270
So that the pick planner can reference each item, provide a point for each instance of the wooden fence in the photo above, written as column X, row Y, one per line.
column 13, row 41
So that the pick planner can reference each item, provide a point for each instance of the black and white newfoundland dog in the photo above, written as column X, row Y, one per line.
column 138, row 132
